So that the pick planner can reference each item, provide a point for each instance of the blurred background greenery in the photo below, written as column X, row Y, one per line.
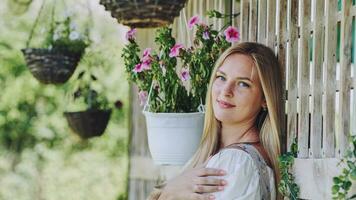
column 40, row 158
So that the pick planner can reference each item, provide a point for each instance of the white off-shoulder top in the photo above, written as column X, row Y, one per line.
column 248, row 176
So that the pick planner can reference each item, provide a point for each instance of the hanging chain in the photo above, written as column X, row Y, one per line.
column 35, row 24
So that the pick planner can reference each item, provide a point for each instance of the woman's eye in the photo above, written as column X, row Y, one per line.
column 220, row 78
column 243, row 84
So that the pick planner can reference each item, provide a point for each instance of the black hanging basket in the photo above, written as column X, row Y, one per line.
column 51, row 66
column 144, row 13
column 89, row 123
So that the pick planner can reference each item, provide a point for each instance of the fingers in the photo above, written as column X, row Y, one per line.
column 195, row 196
column 210, row 172
column 207, row 188
column 210, row 181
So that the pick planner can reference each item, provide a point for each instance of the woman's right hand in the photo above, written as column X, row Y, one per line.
column 194, row 184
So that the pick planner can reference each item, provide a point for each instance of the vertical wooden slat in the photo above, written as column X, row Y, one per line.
column 221, row 8
column 188, row 14
column 209, row 6
column 195, row 9
column 345, row 67
column 229, row 9
column 252, row 29
column 175, row 28
column 203, row 10
column 330, row 79
column 262, row 20
column 353, row 118
column 216, row 21
column 236, row 9
column 292, row 72
column 316, row 113
column 304, row 86
column 244, row 20
column 271, row 24
column 180, row 25
column 282, row 28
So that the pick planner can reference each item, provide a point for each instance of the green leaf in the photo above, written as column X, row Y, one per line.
column 347, row 185
column 335, row 189
column 351, row 165
column 353, row 174
column 336, row 180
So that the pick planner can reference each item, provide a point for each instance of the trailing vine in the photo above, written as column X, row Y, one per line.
column 287, row 187
column 343, row 182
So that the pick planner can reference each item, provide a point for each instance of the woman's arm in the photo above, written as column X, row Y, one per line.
column 242, row 175
column 193, row 184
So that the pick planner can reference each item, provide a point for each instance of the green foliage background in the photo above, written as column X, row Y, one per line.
column 39, row 156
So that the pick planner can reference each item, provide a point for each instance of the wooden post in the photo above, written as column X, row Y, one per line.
column 292, row 73
column 252, row 28
column 244, row 20
column 271, row 24
column 330, row 80
column 281, row 50
column 304, row 86
column 345, row 69
column 262, row 21
column 317, row 63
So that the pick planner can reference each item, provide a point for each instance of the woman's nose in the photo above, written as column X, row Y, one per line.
column 228, row 89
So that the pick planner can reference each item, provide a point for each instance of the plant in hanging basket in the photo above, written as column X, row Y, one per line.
column 95, row 112
column 144, row 13
column 176, row 76
column 173, row 83
column 63, row 49
column 92, row 121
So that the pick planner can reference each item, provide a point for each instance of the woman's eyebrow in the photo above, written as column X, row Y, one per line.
column 238, row 78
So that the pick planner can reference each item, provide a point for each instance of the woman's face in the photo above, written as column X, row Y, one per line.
column 236, row 92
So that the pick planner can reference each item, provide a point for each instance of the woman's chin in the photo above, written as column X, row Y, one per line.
column 225, row 117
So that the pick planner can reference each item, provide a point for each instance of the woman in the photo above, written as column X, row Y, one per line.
column 238, row 154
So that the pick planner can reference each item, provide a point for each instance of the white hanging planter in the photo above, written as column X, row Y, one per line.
column 173, row 138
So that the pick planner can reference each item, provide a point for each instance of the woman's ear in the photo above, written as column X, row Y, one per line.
column 264, row 103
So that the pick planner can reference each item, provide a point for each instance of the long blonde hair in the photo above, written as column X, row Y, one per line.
column 268, row 124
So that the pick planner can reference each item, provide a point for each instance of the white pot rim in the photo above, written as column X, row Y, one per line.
column 192, row 114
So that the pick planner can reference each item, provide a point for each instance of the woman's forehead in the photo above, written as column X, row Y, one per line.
column 239, row 65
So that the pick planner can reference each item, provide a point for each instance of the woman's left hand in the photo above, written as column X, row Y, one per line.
column 194, row 184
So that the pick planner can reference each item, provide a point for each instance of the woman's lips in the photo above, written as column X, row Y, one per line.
column 224, row 104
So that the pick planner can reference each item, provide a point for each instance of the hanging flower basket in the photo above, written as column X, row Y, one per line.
column 51, row 66
column 89, row 123
column 144, row 13
column 59, row 53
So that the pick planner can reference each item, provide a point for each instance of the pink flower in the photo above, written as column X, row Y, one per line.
column 130, row 35
column 194, row 20
column 146, row 64
column 206, row 35
column 146, row 60
column 138, row 68
column 142, row 96
column 147, row 52
column 184, row 75
column 231, row 34
column 175, row 50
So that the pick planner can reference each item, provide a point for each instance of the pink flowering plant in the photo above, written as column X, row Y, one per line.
column 177, row 76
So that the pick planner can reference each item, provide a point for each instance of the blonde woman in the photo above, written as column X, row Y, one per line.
column 237, row 156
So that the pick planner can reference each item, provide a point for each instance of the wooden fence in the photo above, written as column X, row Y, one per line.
column 313, row 42
column 319, row 79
